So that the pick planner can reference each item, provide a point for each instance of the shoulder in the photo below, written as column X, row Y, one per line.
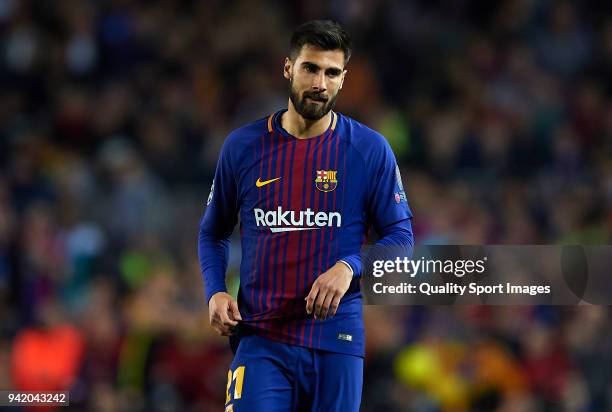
column 240, row 139
column 248, row 133
column 364, row 139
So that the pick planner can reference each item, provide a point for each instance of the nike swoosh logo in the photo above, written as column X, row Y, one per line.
column 259, row 183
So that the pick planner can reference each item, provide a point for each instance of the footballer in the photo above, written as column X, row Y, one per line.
column 307, row 184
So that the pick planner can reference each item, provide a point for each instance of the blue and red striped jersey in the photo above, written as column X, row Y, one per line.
column 303, row 205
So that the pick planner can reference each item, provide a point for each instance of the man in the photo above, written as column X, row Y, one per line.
column 307, row 184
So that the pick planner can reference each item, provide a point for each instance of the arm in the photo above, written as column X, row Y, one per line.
column 216, row 227
column 388, row 210
column 389, row 213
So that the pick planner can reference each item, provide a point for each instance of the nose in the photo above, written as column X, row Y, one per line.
column 319, row 82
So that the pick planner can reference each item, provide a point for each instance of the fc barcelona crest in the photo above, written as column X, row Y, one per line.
column 326, row 180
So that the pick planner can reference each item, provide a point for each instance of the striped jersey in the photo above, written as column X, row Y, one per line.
column 303, row 205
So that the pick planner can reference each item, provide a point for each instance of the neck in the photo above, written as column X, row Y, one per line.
column 302, row 128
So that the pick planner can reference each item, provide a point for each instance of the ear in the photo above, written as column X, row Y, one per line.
column 342, row 79
column 287, row 68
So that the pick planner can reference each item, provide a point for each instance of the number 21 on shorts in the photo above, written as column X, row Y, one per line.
column 238, row 376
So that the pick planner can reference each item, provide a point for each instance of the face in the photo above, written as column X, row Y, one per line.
column 315, row 78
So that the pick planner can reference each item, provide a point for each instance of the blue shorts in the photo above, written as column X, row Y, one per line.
column 269, row 376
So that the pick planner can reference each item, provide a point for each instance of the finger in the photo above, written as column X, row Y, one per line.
column 318, row 306
column 334, row 305
column 234, row 310
column 214, row 315
column 218, row 325
column 215, row 320
column 310, row 299
column 225, row 319
column 326, row 303
column 223, row 330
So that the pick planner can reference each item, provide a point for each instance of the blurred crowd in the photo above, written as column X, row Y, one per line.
column 112, row 114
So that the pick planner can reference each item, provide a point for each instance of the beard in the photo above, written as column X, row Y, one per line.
column 308, row 109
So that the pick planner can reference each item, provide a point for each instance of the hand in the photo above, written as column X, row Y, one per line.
column 224, row 314
column 327, row 290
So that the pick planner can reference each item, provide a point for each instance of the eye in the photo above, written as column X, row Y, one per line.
column 311, row 69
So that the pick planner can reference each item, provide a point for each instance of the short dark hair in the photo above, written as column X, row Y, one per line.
column 324, row 34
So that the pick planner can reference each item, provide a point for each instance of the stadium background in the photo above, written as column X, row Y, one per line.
column 112, row 114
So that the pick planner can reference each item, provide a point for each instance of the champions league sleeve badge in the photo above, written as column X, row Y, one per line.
column 400, row 194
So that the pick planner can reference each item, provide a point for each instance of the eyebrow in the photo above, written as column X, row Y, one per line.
column 331, row 70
